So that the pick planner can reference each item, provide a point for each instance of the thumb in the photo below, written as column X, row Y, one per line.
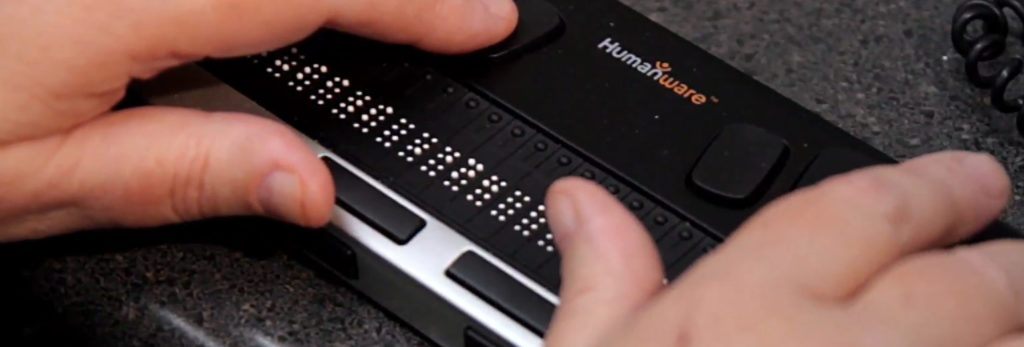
column 610, row 266
column 153, row 166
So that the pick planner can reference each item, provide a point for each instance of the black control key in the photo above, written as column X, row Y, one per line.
column 589, row 172
column 680, row 240
column 504, row 144
column 559, row 165
column 501, row 290
column 674, row 270
column 615, row 188
column 480, row 130
column 638, row 204
column 372, row 206
column 659, row 222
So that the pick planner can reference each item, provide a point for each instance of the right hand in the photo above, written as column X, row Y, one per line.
column 857, row 260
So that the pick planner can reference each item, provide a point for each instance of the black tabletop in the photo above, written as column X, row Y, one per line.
column 883, row 70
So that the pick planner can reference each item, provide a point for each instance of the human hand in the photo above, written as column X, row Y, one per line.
column 857, row 260
column 67, row 163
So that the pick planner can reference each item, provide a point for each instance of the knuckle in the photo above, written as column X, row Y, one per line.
column 188, row 188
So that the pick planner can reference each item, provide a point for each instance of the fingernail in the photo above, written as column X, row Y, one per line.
column 985, row 172
column 562, row 214
column 280, row 194
column 500, row 8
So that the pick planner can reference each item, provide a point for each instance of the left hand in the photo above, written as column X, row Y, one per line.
column 67, row 163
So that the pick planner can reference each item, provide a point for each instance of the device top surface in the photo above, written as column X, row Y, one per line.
column 886, row 82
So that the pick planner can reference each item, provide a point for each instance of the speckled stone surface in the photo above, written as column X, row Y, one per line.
column 883, row 70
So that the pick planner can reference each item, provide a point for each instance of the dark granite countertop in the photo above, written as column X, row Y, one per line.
column 883, row 70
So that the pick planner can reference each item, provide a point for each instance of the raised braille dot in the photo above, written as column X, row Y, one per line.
column 449, row 90
column 588, row 174
column 660, row 220
column 518, row 132
column 472, row 103
column 540, row 146
column 564, row 161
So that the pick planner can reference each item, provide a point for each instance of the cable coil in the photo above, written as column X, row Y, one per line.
column 990, row 44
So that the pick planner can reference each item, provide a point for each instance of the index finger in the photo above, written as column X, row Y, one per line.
column 69, row 60
column 828, row 240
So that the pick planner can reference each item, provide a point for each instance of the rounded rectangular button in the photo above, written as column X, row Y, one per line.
column 738, row 163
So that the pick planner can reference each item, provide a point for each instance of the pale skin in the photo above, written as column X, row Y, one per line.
column 858, row 260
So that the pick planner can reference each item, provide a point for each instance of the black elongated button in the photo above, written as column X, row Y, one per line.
column 501, row 290
column 833, row 161
column 739, row 163
column 373, row 207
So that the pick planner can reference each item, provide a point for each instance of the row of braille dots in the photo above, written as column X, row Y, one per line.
column 389, row 135
column 420, row 147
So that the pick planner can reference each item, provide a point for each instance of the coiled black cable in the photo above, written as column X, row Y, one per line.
column 988, row 45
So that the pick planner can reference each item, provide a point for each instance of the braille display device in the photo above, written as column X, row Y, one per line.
column 441, row 163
